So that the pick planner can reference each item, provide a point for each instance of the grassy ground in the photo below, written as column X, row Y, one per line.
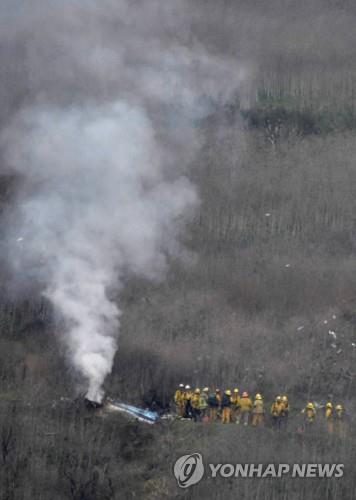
column 62, row 453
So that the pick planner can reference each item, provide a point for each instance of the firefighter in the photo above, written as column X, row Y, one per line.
column 309, row 413
column 188, row 410
column 285, row 405
column 245, row 408
column 339, row 410
column 214, row 405
column 339, row 419
column 179, row 400
column 218, row 397
column 277, row 409
column 226, row 407
column 235, row 405
column 258, row 411
column 195, row 402
column 329, row 417
column 203, row 403
column 285, row 411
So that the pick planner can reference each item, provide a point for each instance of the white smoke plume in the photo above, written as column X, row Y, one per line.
column 98, row 207
column 99, row 146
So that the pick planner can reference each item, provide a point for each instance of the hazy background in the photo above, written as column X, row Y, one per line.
column 254, row 104
column 243, row 125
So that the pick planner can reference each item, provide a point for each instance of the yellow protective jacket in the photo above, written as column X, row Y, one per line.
column 195, row 401
column 179, row 397
column 258, row 407
column 277, row 409
column 235, row 401
column 285, row 410
column 328, row 413
column 203, row 401
column 310, row 413
column 188, row 395
column 245, row 404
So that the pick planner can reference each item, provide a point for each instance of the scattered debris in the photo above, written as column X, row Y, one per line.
column 333, row 346
column 147, row 416
column 267, row 214
column 338, row 352
column 20, row 239
column 300, row 328
column 334, row 316
column 353, row 344
column 287, row 265
column 333, row 334
column 325, row 321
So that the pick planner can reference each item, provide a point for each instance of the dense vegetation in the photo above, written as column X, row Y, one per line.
column 268, row 274
column 58, row 452
column 272, row 251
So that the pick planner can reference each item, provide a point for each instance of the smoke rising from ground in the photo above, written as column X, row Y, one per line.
column 99, row 140
column 98, row 208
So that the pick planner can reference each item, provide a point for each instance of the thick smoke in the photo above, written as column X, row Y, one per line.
column 100, row 143
column 98, row 207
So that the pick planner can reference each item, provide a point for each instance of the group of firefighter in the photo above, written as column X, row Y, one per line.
column 229, row 407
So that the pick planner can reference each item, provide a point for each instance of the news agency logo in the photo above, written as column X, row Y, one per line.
column 189, row 470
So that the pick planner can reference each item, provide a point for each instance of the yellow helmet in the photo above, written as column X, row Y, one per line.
column 310, row 406
column 236, row 390
column 338, row 407
column 258, row 396
column 228, row 392
column 206, row 389
column 285, row 399
column 278, row 399
column 328, row 405
column 197, row 390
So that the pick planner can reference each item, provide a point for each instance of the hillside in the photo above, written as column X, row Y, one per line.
column 271, row 247
column 177, row 205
